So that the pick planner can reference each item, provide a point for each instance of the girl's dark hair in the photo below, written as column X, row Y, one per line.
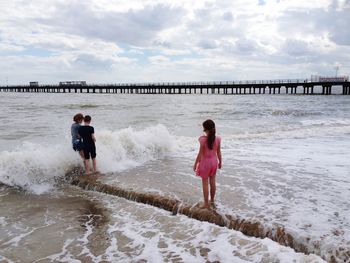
column 209, row 126
column 78, row 117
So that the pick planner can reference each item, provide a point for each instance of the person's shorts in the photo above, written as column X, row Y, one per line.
column 77, row 145
column 89, row 151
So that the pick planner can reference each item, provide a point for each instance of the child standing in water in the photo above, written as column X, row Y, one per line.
column 87, row 133
column 76, row 140
column 208, row 160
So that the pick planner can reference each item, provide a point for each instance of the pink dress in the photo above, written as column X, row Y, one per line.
column 208, row 163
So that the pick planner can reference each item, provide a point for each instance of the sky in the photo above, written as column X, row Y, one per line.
column 136, row 41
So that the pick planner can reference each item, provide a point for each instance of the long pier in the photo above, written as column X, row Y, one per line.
column 218, row 87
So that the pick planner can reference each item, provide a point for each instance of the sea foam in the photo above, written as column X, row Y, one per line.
column 35, row 167
column 127, row 148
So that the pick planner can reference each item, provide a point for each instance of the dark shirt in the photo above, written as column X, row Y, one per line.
column 85, row 133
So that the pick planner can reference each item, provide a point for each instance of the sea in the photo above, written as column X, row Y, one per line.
column 286, row 163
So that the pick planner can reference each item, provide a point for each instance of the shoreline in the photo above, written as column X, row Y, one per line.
column 248, row 227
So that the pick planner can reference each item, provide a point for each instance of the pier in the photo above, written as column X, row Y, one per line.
column 289, row 86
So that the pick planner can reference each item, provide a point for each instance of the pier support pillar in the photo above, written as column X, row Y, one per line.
column 326, row 90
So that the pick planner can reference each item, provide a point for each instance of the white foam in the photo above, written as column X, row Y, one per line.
column 35, row 166
column 154, row 236
column 120, row 150
column 64, row 255
column 85, row 241
column 3, row 259
column 295, row 177
column 3, row 221
column 14, row 242
column 150, row 252
column 304, row 129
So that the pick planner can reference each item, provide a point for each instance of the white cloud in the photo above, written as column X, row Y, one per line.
column 158, row 59
column 153, row 40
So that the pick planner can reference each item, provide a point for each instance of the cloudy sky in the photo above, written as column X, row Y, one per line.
column 106, row 41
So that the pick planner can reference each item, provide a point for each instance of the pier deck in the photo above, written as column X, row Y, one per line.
column 219, row 87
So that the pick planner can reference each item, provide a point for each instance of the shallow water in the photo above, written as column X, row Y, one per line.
column 80, row 226
column 285, row 162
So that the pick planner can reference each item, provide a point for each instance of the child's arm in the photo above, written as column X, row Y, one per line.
column 219, row 155
column 201, row 149
column 77, row 132
column 93, row 134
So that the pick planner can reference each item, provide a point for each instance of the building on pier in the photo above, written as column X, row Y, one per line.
column 72, row 83
column 316, row 78
column 34, row 84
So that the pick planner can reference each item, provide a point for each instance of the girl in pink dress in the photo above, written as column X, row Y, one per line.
column 208, row 160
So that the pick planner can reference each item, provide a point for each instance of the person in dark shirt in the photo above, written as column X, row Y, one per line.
column 76, row 140
column 87, row 134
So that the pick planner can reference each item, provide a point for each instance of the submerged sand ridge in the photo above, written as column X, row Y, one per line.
column 249, row 227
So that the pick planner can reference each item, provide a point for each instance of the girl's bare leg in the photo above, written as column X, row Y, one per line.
column 81, row 153
column 205, row 192
column 94, row 164
column 212, row 182
column 87, row 166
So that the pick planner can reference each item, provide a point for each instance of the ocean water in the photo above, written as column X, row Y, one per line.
column 285, row 163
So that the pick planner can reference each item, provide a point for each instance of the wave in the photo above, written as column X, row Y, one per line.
column 294, row 113
column 188, row 146
column 303, row 129
column 123, row 149
column 249, row 226
column 82, row 106
column 36, row 167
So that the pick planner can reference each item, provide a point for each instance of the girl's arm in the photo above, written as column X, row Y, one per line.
column 93, row 137
column 219, row 155
column 201, row 149
column 78, row 134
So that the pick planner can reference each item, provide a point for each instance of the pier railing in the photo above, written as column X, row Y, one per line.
column 279, row 86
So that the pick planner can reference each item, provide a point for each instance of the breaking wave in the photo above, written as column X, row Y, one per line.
column 36, row 167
